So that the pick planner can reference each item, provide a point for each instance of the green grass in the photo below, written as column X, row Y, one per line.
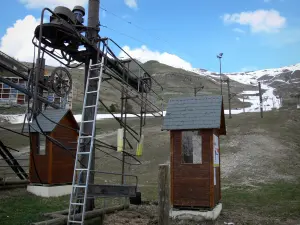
column 269, row 202
column 24, row 208
column 276, row 201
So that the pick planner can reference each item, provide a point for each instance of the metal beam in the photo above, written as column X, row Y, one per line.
column 112, row 190
column 19, row 74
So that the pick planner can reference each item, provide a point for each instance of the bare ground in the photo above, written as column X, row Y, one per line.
column 256, row 154
column 254, row 158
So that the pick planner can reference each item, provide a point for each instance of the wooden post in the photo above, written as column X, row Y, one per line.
column 164, row 200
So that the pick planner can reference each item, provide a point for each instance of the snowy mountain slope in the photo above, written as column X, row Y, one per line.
column 276, row 83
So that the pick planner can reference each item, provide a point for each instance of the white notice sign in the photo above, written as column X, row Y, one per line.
column 215, row 176
column 197, row 148
column 216, row 151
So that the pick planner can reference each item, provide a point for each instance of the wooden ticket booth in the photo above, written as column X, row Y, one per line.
column 50, row 163
column 195, row 125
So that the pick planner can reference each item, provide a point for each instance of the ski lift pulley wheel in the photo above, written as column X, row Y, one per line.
column 61, row 81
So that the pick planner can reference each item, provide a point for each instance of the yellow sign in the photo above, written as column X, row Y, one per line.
column 140, row 145
column 120, row 136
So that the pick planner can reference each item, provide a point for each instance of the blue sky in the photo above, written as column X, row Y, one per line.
column 253, row 34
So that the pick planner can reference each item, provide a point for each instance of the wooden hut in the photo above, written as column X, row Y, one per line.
column 195, row 125
column 51, row 164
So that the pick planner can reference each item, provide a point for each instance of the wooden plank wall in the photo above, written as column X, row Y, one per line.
column 39, row 168
column 63, row 160
column 191, row 183
column 57, row 165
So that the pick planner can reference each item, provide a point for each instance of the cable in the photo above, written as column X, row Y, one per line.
column 61, row 125
column 30, row 85
column 132, row 164
column 133, row 24
column 13, row 149
column 124, row 34
column 32, row 156
column 111, row 146
column 56, row 142
column 4, row 128
column 105, row 144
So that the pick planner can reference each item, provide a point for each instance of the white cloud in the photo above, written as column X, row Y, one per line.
column 144, row 54
column 131, row 3
column 259, row 20
column 17, row 42
column 53, row 3
column 238, row 30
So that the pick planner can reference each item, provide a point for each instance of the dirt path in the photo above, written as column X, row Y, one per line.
column 255, row 158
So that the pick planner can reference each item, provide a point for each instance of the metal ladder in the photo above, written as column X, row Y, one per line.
column 78, row 184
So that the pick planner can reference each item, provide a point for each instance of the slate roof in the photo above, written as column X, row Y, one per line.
column 47, row 126
column 193, row 113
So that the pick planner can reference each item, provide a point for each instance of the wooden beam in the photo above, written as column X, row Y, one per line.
column 164, row 198
column 88, row 215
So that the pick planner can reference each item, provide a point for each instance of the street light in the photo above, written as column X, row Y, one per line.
column 220, row 59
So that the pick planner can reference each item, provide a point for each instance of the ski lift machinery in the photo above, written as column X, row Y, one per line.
column 64, row 39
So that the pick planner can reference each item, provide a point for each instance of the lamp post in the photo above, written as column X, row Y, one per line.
column 220, row 60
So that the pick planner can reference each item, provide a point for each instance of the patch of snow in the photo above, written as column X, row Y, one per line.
column 249, row 92
column 19, row 119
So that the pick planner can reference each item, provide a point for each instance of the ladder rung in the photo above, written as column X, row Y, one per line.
column 88, row 136
column 79, row 186
column 87, row 121
column 81, row 169
column 98, row 64
column 89, row 92
column 89, row 106
column 93, row 78
column 75, row 203
column 83, row 153
column 73, row 221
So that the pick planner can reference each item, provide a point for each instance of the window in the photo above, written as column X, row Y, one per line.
column 41, row 144
column 191, row 147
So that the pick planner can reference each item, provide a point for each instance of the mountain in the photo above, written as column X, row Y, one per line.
column 279, row 85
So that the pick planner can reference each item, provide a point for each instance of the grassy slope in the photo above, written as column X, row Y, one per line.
column 276, row 202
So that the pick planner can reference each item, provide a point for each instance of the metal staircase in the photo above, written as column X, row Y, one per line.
column 80, row 184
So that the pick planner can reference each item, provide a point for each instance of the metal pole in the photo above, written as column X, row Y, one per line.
column 124, row 135
column 220, row 59
column 39, row 73
column 229, row 98
column 92, row 34
column 142, row 106
column 243, row 103
column 260, row 100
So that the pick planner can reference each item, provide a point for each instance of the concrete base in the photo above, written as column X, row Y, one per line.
column 50, row 191
column 196, row 215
